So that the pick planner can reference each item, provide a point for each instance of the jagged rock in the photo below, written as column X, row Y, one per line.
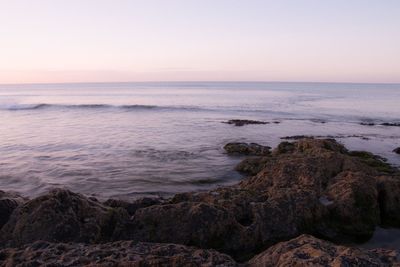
column 310, row 186
column 251, row 149
column 62, row 216
column 306, row 250
column 245, row 122
column 8, row 202
column 122, row 253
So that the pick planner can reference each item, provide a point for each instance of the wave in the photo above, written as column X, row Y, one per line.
column 92, row 106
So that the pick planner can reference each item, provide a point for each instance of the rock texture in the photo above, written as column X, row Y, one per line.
column 310, row 251
column 122, row 253
column 251, row 149
column 245, row 122
column 8, row 202
column 310, row 186
column 62, row 216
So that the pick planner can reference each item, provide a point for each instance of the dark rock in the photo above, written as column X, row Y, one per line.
column 306, row 250
column 313, row 186
column 245, row 122
column 251, row 149
column 251, row 165
column 132, row 207
column 397, row 150
column 122, row 253
column 199, row 224
column 8, row 202
column 62, row 216
column 368, row 123
column 296, row 137
column 395, row 124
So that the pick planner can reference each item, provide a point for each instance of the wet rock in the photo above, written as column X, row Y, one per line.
column 62, row 216
column 306, row 250
column 393, row 124
column 368, row 123
column 251, row 149
column 397, row 150
column 245, row 122
column 123, row 253
column 296, row 137
column 8, row 202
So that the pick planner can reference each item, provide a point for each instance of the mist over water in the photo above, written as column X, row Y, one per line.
column 135, row 139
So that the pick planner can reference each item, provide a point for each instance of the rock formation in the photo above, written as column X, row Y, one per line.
column 311, row 186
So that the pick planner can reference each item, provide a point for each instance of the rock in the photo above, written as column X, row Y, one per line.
column 132, row 207
column 307, row 250
column 245, row 122
column 395, row 124
column 8, row 202
column 354, row 210
column 368, row 123
column 251, row 165
column 389, row 200
column 122, row 253
column 62, row 216
column 313, row 186
column 251, row 149
column 397, row 150
column 296, row 137
column 199, row 224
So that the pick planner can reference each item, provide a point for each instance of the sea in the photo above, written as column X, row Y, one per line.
column 129, row 140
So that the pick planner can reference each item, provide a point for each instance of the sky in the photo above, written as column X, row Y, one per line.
column 199, row 40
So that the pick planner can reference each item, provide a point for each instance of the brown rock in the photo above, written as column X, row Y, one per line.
column 251, row 149
column 62, row 216
column 8, row 202
column 132, row 207
column 188, row 223
column 306, row 250
column 123, row 253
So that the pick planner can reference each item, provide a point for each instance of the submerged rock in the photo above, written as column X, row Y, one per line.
column 251, row 149
column 395, row 124
column 122, row 253
column 245, row 122
column 306, row 250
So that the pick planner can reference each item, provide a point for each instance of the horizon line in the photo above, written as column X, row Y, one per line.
column 197, row 81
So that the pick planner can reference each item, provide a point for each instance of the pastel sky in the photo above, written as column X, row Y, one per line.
column 198, row 40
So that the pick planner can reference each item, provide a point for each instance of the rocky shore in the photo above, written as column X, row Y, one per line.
column 302, row 202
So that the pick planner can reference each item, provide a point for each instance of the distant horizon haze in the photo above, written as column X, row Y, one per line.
column 60, row 41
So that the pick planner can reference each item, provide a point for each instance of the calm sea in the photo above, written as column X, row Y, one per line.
column 136, row 139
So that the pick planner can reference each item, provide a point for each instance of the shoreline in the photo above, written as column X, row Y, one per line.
column 309, row 186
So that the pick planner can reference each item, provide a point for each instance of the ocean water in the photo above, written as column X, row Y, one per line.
column 136, row 139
